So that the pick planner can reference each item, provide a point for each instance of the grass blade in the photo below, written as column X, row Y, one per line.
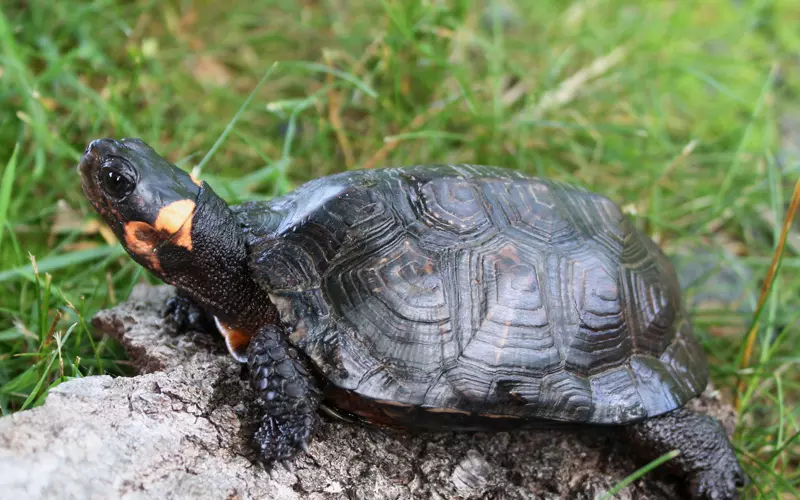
column 35, row 392
column 229, row 128
column 5, row 190
column 55, row 262
column 750, row 338
column 737, row 159
column 639, row 473
column 321, row 68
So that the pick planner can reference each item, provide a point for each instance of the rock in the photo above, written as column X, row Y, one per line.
column 471, row 475
column 182, row 427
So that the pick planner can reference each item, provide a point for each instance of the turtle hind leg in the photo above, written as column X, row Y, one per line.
column 706, row 460
column 286, row 393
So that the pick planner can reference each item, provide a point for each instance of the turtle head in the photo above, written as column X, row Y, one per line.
column 148, row 202
column 180, row 230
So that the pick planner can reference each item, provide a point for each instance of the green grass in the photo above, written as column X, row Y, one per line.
column 670, row 108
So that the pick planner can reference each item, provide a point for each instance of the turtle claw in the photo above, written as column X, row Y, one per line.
column 272, row 468
column 719, row 483
column 279, row 441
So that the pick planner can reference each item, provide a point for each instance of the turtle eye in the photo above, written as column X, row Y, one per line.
column 116, row 182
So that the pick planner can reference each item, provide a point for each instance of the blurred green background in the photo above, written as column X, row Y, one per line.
column 684, row 112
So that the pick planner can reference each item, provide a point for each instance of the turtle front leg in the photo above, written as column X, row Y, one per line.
column 184, row 314
column 707, row 460
column 287, row 394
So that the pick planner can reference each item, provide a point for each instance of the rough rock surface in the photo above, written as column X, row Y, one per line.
column 181, row 429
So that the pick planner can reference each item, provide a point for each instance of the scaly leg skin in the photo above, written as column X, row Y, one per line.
column 287, row 394
column 184, row 314
column 706, row 459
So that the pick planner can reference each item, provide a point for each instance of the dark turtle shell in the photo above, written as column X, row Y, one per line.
column 469, row 290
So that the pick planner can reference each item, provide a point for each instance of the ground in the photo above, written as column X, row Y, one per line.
column 685, row 113
column 183, row 428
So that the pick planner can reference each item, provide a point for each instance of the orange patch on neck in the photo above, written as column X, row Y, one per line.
column 141, row 238
column 176, row 220
column 172, row 217
column 236, row 340
column 183, row 237
column 174, row 223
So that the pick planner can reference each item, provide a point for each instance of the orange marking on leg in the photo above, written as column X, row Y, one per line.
column 236, row 340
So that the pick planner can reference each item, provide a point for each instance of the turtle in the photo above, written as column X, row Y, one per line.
column 426, row 297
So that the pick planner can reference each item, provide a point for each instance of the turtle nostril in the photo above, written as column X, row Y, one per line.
column 101, row 146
